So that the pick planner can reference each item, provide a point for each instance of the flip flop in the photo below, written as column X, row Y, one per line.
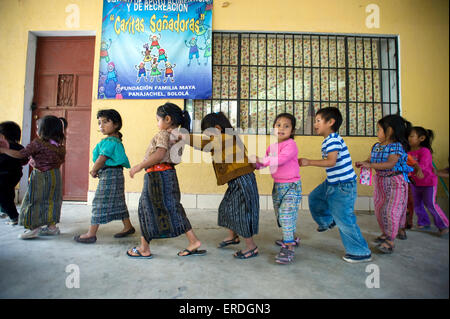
column 193, row 252
column 126, row 233
column 139, row 255
column 226, row 243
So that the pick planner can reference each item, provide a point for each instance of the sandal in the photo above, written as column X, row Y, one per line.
column 226, row 243
column 285, row 256
column 89, row 240
column 193, row 252
column 242, row 255
column 386, row 250
column 379, row 240
column 402, row 236
column 139, row 255
column 296, row 243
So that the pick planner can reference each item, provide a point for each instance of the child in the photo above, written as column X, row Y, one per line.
column 406, row 221
column 109, row 160
column 43, row 200
column 287, row 187
column 389, row 159
column 332, row 202
column 239, row 209
column 424, row 190
column 161, row 214
column 10, row 169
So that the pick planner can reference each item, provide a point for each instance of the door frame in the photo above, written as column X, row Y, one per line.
column 29, row 88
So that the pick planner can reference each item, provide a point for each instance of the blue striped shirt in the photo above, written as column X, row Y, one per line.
column 343, row 170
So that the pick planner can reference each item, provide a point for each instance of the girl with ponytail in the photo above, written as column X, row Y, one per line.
column 161, row 214
column 424, row 189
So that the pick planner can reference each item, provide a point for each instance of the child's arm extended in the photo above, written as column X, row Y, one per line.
column 12, row 153
column 99, row 163
column 153, row 159
column 282, row 155
column 390, row 163
column 330, row 161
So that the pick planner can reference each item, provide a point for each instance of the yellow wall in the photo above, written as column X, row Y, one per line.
column 424, row 46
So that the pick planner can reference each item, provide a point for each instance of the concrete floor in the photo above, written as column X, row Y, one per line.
column 419, row 267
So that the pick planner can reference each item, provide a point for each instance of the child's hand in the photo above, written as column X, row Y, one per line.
column 362, row 164
column 93, row 173
column 253, row 159
column 135, row 169
column 303, row 162
column 419, row 174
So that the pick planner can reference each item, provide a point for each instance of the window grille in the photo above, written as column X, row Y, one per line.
column 259, row 75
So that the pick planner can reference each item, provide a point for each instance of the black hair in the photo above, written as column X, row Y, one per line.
column 113, row 116
column 428, row 134
column 289, row 117
column 65, row 124
column 178, row 116
column 213, row 119
column 11, row 131
column 328, row 113
column 51, row 128
column 400, row 129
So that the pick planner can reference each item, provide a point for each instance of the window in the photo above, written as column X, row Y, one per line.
column 259, row 75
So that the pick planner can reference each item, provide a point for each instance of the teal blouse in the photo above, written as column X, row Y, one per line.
column 113, row 149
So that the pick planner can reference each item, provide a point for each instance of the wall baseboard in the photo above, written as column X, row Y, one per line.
column 212, row 201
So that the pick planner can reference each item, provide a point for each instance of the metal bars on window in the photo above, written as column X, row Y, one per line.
column 259, row 75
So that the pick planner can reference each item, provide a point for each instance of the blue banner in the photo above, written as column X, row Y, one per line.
column 156, row 49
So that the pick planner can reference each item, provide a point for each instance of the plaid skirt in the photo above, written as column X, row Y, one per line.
column 161, row 214
column 109, row 200
column 43, row 200
column 239, row 209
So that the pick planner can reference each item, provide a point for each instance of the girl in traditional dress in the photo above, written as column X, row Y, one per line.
column 389, row 159
column 109, row 160
column 161, row 214
column 42, row 203
column 239, row 209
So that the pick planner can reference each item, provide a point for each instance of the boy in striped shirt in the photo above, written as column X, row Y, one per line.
column 332, row 202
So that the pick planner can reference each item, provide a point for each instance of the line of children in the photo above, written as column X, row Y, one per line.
column 161, row 214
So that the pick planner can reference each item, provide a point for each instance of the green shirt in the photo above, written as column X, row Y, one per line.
column 113, row 149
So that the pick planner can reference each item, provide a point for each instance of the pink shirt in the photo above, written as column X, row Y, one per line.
column 283, row 162
column 425, row 161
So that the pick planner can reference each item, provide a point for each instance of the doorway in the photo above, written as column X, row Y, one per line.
column 63, row 87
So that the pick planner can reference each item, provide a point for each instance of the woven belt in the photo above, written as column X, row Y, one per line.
column 392, row 174
column 160, row 167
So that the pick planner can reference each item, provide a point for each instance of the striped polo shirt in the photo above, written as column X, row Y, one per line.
column 343, row 170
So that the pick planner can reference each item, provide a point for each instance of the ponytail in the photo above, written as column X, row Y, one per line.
column 428, row 134
column 187, row 121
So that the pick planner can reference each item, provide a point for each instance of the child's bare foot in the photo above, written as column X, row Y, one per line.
column 443, row 232
column 87, row 235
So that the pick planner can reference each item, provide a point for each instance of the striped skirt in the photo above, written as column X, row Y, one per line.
column 109, row 200
column 161, row 214
column 390, row 198
column 239, row 209
column 43, row 200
